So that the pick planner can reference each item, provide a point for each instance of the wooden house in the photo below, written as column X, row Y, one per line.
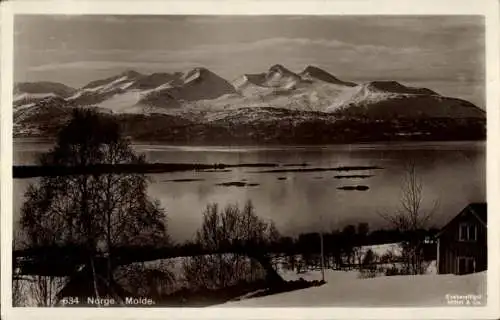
column 462, row 243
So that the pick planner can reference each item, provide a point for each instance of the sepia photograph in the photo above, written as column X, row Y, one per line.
column 235, row 161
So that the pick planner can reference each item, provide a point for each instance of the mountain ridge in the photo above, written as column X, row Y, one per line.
column 314, row 72
column 311, row 97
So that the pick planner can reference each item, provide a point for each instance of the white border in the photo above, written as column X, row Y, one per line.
column 488, row 8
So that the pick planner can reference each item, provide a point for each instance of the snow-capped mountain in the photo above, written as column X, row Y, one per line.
column 43, row 87
column 156, row 80
column 313, row 73
column 28, row 93
column 280, row 79
column 290, row 103
column 133, row 92
column 200, row 84
column 385, row 99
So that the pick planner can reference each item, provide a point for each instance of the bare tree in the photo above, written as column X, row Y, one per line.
column 234, row 239
column 273, row 237
column 18, row 293
column 411, row 219
column 96, row 212
column 362, row 231
column 368, row 267
column 43, row 290
column 349, row 244
column 148, row 280
column 273, row 233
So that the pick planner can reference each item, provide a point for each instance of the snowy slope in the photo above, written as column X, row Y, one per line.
column 135, row 92
column 378, row 91
column 345, row 289
column 43, row 87
column 202, row 95
column 101, row 84
column 251, row 85
column 25, row 98
column 280, row 77
column 313, row 89
column 200, row 84
column 279, row 81
column 27, row 93
column 102, row 90
column 348, row 289
column 313, row 73
column 317, row 90
column 386, row 99
column 157, row 80
column 122, row 102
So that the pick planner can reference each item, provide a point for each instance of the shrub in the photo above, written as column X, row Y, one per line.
column 231, row 228
column 394, row 271
column 367, row 273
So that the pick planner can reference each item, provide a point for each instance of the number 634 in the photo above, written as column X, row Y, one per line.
column 70, row 300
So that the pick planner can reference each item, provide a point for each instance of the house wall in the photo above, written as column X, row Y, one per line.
column 450, row 248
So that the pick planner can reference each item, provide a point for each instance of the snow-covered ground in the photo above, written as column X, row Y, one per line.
column 32, row 96
column 349, row 289
column 381, row 249
column 346, row 289
column 122, row 102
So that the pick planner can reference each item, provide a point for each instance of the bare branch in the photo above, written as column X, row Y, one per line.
column 411, row 217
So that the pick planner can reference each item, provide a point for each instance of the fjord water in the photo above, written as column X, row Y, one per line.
column 452, row 173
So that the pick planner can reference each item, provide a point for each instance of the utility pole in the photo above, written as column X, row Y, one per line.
column 322, row 255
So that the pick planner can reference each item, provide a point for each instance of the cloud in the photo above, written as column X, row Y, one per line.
column 106, row 65
column 127, row 19
column 351, row 47
column 336, row 54
column 302, row 46
column 303, row 43
column 260, row 52
column 212, row 50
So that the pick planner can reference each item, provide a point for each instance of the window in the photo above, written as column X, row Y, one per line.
column 467, row 232
column 466, row 265
column 429, row 240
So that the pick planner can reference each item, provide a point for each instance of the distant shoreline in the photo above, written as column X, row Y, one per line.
column 31, row 171
column 27, row 140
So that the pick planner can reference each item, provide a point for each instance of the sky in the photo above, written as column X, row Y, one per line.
column 443, row 53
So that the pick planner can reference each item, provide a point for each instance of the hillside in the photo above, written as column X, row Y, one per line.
column 27, row 93
column 275, row 106
column 43, row 87
column 251, row 126
column 384, row 99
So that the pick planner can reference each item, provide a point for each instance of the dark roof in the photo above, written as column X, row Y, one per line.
column 478, row 209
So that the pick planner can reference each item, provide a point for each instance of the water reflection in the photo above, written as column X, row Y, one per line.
column 452, row 172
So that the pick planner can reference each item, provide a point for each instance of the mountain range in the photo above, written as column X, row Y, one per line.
column 275, row 106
